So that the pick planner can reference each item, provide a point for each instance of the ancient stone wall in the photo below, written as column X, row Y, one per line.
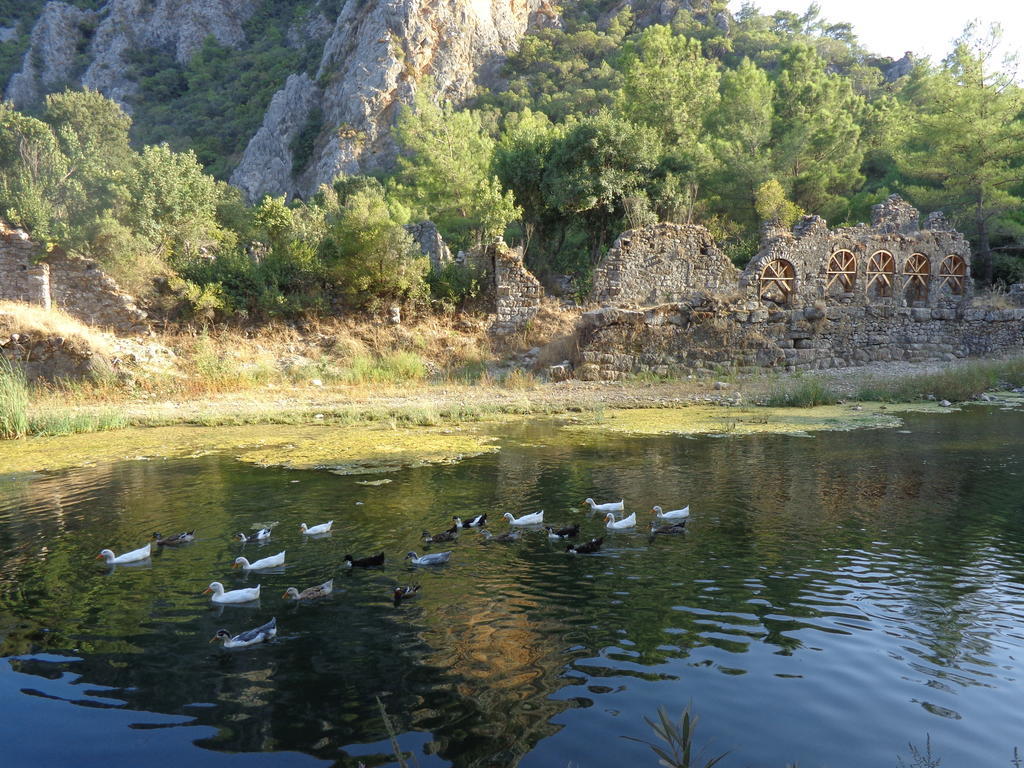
column 891, row 262
column 811, row 298
column 699, row 338
column 517, row 292
column 77, row 286
column 662, row 263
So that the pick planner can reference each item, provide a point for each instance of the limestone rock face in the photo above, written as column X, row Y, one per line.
column 377, row 55
column 50, row 59
column 120, row 27
column 266, row 166
column 181, row 25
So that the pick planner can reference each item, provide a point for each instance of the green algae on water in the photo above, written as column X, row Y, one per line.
column 371, row 448
column 718, row 420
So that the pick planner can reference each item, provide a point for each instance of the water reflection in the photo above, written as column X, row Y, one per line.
column 814, row 570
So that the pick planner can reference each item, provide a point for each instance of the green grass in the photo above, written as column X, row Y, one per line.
column 14, row 401
column 803, row 393
column 965, row 382
column 16, row 421
column 394, row 368
column 69, row 423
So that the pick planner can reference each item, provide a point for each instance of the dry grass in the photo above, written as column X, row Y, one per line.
column 996, row 298
column 33, row 320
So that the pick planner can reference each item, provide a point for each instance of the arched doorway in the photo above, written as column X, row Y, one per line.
column 841, row 272
column 880, row 274
column 777, row 281
column 917, row 272
column 953, row 274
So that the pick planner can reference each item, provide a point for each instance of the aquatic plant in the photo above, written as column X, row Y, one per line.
column 14, row 400
column 678, row 738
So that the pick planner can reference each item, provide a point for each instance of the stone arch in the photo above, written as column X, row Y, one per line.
column 917, row 273
column 880, row 274
column 777, row 281
column 953, row 274
column 841, row 272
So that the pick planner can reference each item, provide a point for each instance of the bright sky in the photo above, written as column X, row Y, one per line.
column 926, row 27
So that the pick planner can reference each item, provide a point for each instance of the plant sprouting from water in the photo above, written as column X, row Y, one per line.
column 677, row 738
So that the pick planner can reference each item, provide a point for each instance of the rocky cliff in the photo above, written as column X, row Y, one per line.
column 88, row 48
column 375, row 54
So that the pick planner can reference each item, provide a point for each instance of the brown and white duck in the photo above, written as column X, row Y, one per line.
column 312, row 593
column 448, row 535
column 404, row 593
column 175, row 539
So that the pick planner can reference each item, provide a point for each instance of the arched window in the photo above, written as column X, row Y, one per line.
column 880, row 274
column 777, row 281
column 841, row 271
column 917, row 272
column 953, row 273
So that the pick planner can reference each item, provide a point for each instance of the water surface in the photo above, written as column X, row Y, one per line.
column 835, row 598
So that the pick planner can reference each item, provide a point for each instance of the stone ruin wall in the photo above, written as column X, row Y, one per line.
column 661, row 264
column 812, row 298
column 77, row 286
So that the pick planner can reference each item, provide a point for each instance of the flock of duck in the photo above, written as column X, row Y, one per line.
column 676, row 518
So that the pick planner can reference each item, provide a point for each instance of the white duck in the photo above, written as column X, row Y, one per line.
column 533, row 519
column 128, row 557
column 234, row 596
column 267, row 562
column 322, row 528
column 611, row 506
column 626, row 522
column 435, row 558
column 672, row 514
column 260, row 634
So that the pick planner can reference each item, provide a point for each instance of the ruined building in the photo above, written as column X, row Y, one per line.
column 77, row 286
column 811, row 298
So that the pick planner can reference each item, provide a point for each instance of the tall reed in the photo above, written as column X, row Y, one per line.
column 14, row 399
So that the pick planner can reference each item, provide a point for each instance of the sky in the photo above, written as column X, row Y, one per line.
column 926, row 27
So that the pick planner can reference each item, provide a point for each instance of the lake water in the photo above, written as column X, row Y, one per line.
column 836, row 598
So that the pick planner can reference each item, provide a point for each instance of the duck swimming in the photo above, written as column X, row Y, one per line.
column 436, row 558
column 533, row 519
column 364, row 562
column 260, row 535
column 322, row 528
column 404, row 593
column 174, row 540
column 439, row 537
column 587, row 548
column 267, row 562
column 312, row 593
column 234, row 596
column 611, row 506
column 260, row 634
column 672, row 514
column 128, row 557
column 626, row 522
column 473, row 522
column 563, row 533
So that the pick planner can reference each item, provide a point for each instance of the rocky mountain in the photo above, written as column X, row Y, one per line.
column 375, row 53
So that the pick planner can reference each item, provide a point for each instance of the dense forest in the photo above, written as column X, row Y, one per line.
column 594, row 126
